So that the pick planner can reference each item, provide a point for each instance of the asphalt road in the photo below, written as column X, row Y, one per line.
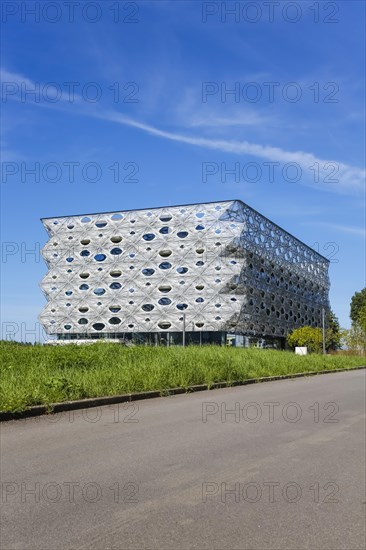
column 285, row 470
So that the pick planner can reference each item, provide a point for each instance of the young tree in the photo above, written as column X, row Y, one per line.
column 354, row 339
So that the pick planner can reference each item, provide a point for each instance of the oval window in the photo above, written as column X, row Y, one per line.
column 99, row 291
column 165, row 218
column 147, row 307
column 164, row 230
column 182, row 306
column 165, row 265
column 148, row 236
column 69, row 260
column 116, row 217
column 85, row 219
column 115, row 286
column 85, row 253
column 100, row 257
column 199, row 300
column 164, row 301
column 83, row 321
column 200, row 227
column 84, row 287
column 114, row 309
column 114, row 321
column 182, row 269
column 68, row 292
column 165, row 288
column 83, row 309
column 116, row 251
column 67, row 327
column 98, row 326
column 101, row 224
column 148, row 272
column 84, row 275
column 164, row 325
column 182, row 234
column 116, row 239
column 165, row 253
column 115, row 273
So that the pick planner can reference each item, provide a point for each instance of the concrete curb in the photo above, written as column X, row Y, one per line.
column 127, row 397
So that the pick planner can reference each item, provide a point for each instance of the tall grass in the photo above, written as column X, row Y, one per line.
column 33, row 375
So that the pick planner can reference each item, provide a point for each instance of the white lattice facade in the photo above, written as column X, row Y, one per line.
column 222, row 266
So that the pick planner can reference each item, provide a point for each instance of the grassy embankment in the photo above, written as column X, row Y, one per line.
column 34, row 375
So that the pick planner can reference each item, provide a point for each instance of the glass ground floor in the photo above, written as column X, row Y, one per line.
column 198, row 338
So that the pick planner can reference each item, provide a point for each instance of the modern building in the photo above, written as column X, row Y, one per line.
column 211, row 272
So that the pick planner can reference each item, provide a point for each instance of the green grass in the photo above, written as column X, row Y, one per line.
column 34, row 375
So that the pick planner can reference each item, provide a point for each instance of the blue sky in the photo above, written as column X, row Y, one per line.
column 181, row 102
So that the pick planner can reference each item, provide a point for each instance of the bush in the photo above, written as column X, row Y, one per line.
column 310, row 337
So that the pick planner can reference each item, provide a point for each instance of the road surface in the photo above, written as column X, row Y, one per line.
column 279, row 465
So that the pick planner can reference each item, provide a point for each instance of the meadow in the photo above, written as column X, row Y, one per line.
column 42, row 375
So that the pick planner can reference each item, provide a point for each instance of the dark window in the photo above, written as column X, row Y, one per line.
column 148, row 236
column 164, row 301
column 115, row 286
column 116, row 251
column 165, row 265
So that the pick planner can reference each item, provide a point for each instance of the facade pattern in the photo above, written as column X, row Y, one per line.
column 215, row 267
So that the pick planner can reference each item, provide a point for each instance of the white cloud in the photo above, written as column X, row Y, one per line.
column 348, row 178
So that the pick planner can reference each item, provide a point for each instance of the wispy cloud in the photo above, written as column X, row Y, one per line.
column 349, row 179
column 214, row 121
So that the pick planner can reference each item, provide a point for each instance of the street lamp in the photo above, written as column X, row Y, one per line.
column 323, row 330
column 184, row 329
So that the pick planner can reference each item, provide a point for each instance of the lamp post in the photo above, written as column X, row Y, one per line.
column 184, row 330
column 323, row 330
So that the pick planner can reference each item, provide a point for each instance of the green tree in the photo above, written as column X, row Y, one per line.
column 358, row 301
column 333, row 332
column 310, row 337
column 361, row 318
column 354, row 339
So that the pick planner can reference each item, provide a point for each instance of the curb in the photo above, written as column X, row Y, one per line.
column 54, row 408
